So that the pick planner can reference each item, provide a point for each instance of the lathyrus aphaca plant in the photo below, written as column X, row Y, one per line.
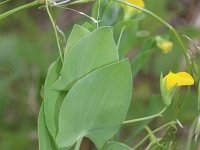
column 88, row 95
column 88, row 88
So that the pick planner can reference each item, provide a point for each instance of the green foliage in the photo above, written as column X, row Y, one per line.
column 97, row 116
column 139, row 61
column 115, row 146
column 52, row 98
column 110, row 14
column 92, row 51
column 88, row 95
column 78, row 32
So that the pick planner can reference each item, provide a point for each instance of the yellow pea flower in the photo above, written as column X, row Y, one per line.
column 130, row 11
column 137, row 2
column 178, row 79
column 170, row 83
column 164, row 44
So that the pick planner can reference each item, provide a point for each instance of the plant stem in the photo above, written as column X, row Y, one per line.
column 152, row 137
column 78, row 144
column 191, row 134
column 26, row 6
column 154, row 131
column 166, row 24
column 55, row 31
column 145, row 118
column 120, row 36
column 4, row 2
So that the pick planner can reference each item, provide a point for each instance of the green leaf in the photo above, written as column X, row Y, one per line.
column 78, row 32
column 45, row 141
column 52, row 98
column 93, row 51
column 116, row 146
column 110, row 14
column 96, row 105
column 88, row 26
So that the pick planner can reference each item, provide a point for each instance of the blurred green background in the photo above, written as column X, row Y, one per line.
column 27, row 47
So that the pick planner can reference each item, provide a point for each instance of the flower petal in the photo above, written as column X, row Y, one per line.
column 137, row 2
column 171, row 80
column 179, row 79
column 184, row 78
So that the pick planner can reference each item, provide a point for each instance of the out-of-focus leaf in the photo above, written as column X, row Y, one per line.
column 93, row 51
column 4, row 101
column 199, row 95
column 190, row 31
column 110, row 14
column 128, row 36
column 116, row 146
column 96, row 105
column 140, row 59
column 188, row 106
column 197, row 129
column 138, row 62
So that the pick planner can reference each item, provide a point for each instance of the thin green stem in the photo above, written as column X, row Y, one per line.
column 191, row 134
column 149, row 146
column 120, row 36
column 163, row 22
column 55, row 31
column 78, row 144
column 154, row 131
column 152, row 137
column 98, row 12
column 145, row 118
column 4, row 2
column 23, row 7
column 81, row 13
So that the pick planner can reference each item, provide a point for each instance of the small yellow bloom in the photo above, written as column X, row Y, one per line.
column 178, row 79
column 137, row 2
column 164, row 44
column 130, row 11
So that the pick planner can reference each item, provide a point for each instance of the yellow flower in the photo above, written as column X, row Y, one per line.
column 137, row 2
column 170, row 83
column 178, row 79
column 130, row 11
column 164, row 44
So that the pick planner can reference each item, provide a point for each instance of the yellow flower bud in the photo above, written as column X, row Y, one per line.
column 165, row 45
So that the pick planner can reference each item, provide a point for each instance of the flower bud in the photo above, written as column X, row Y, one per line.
column 164, row 44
